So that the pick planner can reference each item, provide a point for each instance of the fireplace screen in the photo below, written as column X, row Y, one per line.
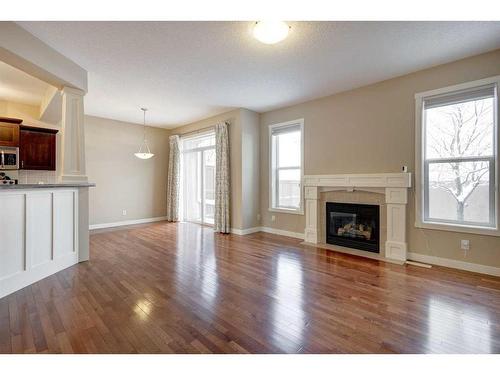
column 353, row 225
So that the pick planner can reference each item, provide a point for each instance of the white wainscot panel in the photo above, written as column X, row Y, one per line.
column 38, row 236
column 39, row 227
column 12, row 228
column 64, row 223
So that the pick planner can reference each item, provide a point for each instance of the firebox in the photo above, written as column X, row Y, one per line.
column 353, row 225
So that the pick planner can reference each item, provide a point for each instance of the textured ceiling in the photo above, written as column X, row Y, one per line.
column 17, row 86
column 185, row 71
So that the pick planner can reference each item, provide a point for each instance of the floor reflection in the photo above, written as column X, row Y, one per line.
column 208, row 277
column 289, row 317
column 471, row 334
column 196, row 264
column 142, row 309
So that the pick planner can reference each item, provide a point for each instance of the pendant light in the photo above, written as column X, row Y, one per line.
column 144, row 151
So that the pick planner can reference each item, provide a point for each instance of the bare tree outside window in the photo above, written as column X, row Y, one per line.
column 459, row 154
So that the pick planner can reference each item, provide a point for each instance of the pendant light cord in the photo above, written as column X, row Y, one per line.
column 144, row 135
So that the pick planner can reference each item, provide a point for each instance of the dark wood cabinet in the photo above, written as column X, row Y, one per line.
column 9, row 134
column 37, row 148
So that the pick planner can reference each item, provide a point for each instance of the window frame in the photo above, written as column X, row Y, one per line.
column 422, row 165
column 273, row 170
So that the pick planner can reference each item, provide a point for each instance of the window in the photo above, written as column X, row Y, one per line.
column 198, row 178
column 457, row 157
column 286, row 160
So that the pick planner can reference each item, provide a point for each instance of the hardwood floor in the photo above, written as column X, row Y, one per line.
column 178, row 288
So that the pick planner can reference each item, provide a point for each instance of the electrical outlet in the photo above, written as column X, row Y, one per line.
column 465, row 245
column 124, row 212
column 273, row 218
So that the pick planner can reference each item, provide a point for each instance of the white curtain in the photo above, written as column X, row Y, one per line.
column 222, row 223
column 173, row 179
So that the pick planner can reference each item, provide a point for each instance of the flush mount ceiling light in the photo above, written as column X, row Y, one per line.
column 270, row 32
column 144, row 151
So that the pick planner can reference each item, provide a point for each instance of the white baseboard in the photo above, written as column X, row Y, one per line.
column 282, row 232
column 242, row 232
column 127, row 222
column 458, row 264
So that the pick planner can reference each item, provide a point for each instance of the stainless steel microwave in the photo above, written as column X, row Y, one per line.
column 9, row 158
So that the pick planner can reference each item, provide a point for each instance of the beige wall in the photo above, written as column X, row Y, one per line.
column 250, row 166
column 371, row 130
column 244, row 162
column 124, row 182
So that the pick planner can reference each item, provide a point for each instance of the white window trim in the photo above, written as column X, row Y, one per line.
column 419, row 162
column 300, row 210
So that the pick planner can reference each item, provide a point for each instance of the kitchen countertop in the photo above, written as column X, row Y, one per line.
column 47, row 186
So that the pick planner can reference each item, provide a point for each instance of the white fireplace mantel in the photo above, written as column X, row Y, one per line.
column 395, row 187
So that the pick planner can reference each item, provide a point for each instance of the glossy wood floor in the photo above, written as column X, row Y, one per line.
column 178, row 288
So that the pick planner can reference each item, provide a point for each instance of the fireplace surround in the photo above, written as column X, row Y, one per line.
column 393, row 186
column 353, row 225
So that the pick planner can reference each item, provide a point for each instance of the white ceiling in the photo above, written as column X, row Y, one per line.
column 185, row 71
column 17, row 86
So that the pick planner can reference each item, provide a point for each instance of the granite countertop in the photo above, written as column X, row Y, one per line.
column 47, row 186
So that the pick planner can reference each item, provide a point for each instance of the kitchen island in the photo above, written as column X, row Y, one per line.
column 44, row 228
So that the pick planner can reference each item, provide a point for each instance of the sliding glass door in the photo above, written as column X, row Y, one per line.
column 198, row 178
column 208, row 168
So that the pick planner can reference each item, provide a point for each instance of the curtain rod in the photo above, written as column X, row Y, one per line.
column 202, row 130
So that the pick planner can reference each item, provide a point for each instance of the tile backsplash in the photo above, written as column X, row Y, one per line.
column 37, row 177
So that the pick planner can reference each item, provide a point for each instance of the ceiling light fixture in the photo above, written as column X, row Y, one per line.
column 144, row 151
column 270, row 32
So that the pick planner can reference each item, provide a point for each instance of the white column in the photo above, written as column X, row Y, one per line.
column 396, row 245
column 311, row 233
column 73, row 136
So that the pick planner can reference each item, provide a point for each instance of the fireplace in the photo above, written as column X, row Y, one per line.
column 353, row 225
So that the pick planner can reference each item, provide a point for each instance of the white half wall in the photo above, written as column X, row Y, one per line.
column 40, row 235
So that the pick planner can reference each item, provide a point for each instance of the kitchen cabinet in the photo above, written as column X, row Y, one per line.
column 9, row 134
column 37, row 148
